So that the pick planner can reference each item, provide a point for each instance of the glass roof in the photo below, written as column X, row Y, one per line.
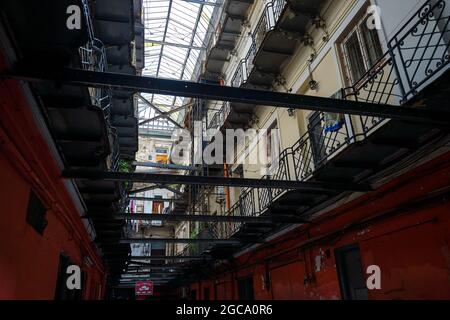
column 176, row 35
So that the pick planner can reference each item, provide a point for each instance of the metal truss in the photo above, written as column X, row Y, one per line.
column 171, row 240
column 239, row 95
column 167, row 179
column 204, row 218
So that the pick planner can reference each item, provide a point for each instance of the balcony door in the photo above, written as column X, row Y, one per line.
column 350, row 273
column 316, row 132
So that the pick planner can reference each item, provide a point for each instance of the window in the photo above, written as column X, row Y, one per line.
column 361, row 50
column 36, row 213
column 272, row 143
column 162, row 150
column 140, row 208
column 318, row 146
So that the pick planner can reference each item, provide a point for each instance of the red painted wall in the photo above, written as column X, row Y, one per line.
column 407, row 238
column 29, row 261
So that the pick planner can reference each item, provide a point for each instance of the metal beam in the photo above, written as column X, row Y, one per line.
column 129, row 275
column 161, row 267
column 171, row 44
column 206, row 3
column 143, row 264
column 154, row 199
column 157, row 186
column 223, row 93
column 152, row 272
column 146, row 277
column 202, row 218
column 213, row 181
column 148, row 268
column 170, row 240
column 164, row 166
column 162, row 113
column 131, row 285
column 142, row 258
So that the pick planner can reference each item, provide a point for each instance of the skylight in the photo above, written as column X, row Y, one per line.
column 176, row 35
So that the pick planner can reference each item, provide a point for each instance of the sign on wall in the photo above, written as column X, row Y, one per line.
column 144, row 288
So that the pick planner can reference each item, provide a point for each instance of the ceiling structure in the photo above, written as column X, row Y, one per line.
column 176, row 36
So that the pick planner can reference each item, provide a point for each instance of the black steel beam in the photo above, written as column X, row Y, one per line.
column 144, row 278
column 142, row 258
column 162, row 113
column 170, row 240
column 154, row 275
column 159, row 267
column 141, row 264
column 224, row 93
column 172, row 272
column 164, row 166
column 213, row 181
column 149, row 268
column 201, row 218
column 158, row 186
column 154, row 199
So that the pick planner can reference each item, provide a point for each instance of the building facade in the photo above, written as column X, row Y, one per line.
column 382, row 52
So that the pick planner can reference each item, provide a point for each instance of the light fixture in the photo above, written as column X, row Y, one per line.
column 313, row 84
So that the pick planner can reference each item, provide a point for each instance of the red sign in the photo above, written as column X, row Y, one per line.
column 144, row 288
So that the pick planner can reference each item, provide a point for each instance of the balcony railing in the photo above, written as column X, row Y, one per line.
column 219, row 117
column 267, row 22
column 417, row 54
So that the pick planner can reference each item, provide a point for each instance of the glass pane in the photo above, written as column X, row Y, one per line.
column 355, row 58
column 371, row 43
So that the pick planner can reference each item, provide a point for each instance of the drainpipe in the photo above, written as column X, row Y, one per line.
column 227, row 189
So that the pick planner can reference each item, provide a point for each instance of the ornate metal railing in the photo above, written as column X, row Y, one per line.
column 219, row 117
column 267, row 22
column 417, row 54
